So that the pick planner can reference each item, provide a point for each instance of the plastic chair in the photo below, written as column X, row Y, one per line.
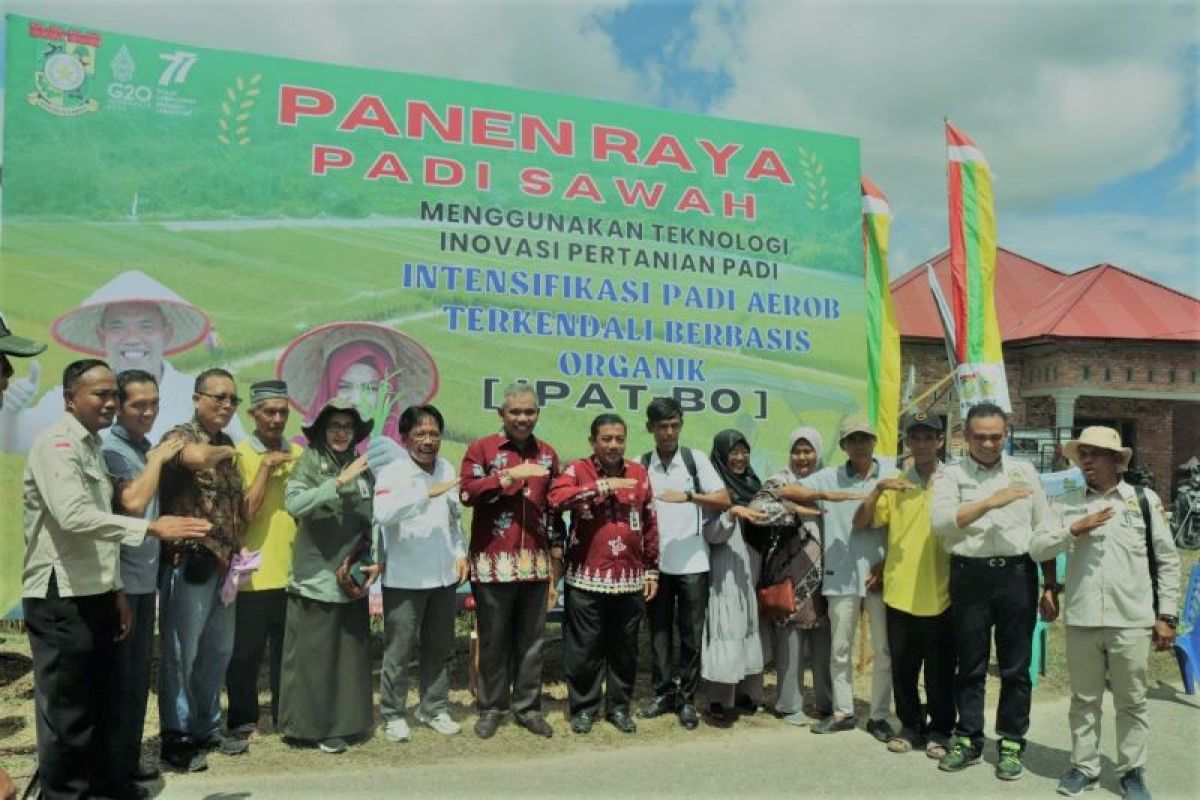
column 1037, row 662
column 1187, row 645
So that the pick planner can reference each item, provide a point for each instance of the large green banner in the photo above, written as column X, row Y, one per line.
column 368, row 233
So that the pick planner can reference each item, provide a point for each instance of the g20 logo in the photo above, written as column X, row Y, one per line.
column 130, row 93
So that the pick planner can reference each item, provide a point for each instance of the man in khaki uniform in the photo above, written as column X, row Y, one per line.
column 75, row 609
column 1109, row 611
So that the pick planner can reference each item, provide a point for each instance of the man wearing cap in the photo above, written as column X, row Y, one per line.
column 197, row 626
column 1117, row 605
column 133, row 321
column 74, row 606
column 506, row 479
column 853, row 559
column 985, row 510
column 135, row 469
column 265, row 461
column 916, row 592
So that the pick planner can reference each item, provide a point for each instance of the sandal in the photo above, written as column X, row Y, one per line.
column 898, row 744
column 935, row 749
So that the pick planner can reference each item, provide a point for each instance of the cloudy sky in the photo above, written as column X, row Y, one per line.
column 1087, row 109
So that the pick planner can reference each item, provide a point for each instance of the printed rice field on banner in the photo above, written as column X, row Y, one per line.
column 172, row 208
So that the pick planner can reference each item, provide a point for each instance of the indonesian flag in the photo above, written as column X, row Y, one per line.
column 979, row 373
column 883, row 335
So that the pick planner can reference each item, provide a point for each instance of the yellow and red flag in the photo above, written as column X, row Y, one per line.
column 977, row 343
column 883, row 335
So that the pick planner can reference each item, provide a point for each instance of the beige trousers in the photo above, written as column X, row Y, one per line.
column 844, row 611
column 1118, row 655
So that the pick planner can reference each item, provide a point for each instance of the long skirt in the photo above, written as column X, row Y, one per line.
column 325, row 687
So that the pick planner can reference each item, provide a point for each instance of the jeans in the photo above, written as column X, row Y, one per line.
column 197, row 642
column 986, row 594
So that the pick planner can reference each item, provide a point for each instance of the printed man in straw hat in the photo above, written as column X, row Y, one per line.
column 1111, row 618
column 132, row 321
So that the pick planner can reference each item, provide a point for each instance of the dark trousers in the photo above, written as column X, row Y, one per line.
column 681, row 600
column 512, row 627
column 132, row 686
column 258, row 625
column 917, row 642
column 987, row 597
column 73, row 666
column 600, row 644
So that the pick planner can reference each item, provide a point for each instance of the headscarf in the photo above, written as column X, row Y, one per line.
column 346, row 356
column 742, row 488
column 813, row 437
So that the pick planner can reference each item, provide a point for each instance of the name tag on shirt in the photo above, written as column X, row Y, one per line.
column 635, row 520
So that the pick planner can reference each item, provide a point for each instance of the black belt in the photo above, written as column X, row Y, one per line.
column 991, row 561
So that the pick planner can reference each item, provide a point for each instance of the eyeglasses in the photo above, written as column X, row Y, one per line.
column 339, row 427
column 222, row 399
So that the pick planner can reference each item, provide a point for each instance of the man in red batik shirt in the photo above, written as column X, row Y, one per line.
column 506, row 478
column 611, row 568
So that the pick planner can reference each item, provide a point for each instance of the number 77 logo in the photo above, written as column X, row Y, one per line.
column 179, row 64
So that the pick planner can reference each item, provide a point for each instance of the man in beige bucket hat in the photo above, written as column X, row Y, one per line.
column 133, row 322
column 1118, row 603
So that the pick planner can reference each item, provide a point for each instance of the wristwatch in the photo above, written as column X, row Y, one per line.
column 1171, row 621
column 1054, row 587
column 688, row 495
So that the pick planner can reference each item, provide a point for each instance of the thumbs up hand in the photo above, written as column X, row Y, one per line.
column 20, row 392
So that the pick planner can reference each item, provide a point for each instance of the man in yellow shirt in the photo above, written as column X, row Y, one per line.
column 916, row 593
column 265, row 460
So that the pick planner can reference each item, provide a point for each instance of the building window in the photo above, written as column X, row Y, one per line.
column 1107, row 374
column 1129, row 374
column 1171, row 375
column 1087, row 372
column 1150, row 376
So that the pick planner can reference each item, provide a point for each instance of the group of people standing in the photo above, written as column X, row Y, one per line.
column 269, row 548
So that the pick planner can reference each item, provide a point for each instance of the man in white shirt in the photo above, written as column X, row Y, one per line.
column 685, row 485
column 421, row 545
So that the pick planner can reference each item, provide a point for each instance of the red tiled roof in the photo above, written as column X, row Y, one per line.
column 1034, row 301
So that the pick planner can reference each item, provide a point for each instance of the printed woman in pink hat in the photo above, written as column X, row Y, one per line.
column 377, row 368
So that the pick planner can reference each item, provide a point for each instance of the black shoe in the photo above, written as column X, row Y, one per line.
column 881, row 729
column 185, row 759
column 620, row 719
column 225, row 745
column 130, row 791
column 688, row 717
column 488, row 722
column 832, row 724
column 145, row 773
column 662, row 704
column 582, row 722
column 746, row 705
column 537, row 725
column 719, row 716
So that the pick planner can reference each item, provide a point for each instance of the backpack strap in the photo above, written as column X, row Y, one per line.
column 1151, row 556
column 689, row 461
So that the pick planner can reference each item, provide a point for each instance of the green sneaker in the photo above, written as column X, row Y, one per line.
column 1008, row 766
column 960, row 756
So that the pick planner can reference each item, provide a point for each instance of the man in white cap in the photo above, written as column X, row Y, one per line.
column 1120, row 547
column 133, row 321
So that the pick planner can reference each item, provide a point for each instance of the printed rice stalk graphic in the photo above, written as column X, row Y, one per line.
column 813, row 170
column 239, row 99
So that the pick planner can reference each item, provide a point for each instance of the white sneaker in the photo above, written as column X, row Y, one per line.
column 397, row 730
column 440, row 722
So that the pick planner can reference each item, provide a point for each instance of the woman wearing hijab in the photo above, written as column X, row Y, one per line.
column 325, row 693
column 794, row 551
column 731, row 651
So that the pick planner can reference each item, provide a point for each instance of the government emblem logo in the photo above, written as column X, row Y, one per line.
column 66, row 70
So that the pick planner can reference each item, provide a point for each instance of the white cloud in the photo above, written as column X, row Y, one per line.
column 1063, row 98
column 528, row 44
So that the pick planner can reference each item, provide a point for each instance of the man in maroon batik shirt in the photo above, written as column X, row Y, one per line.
column 611, row 568
column 505, row 479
